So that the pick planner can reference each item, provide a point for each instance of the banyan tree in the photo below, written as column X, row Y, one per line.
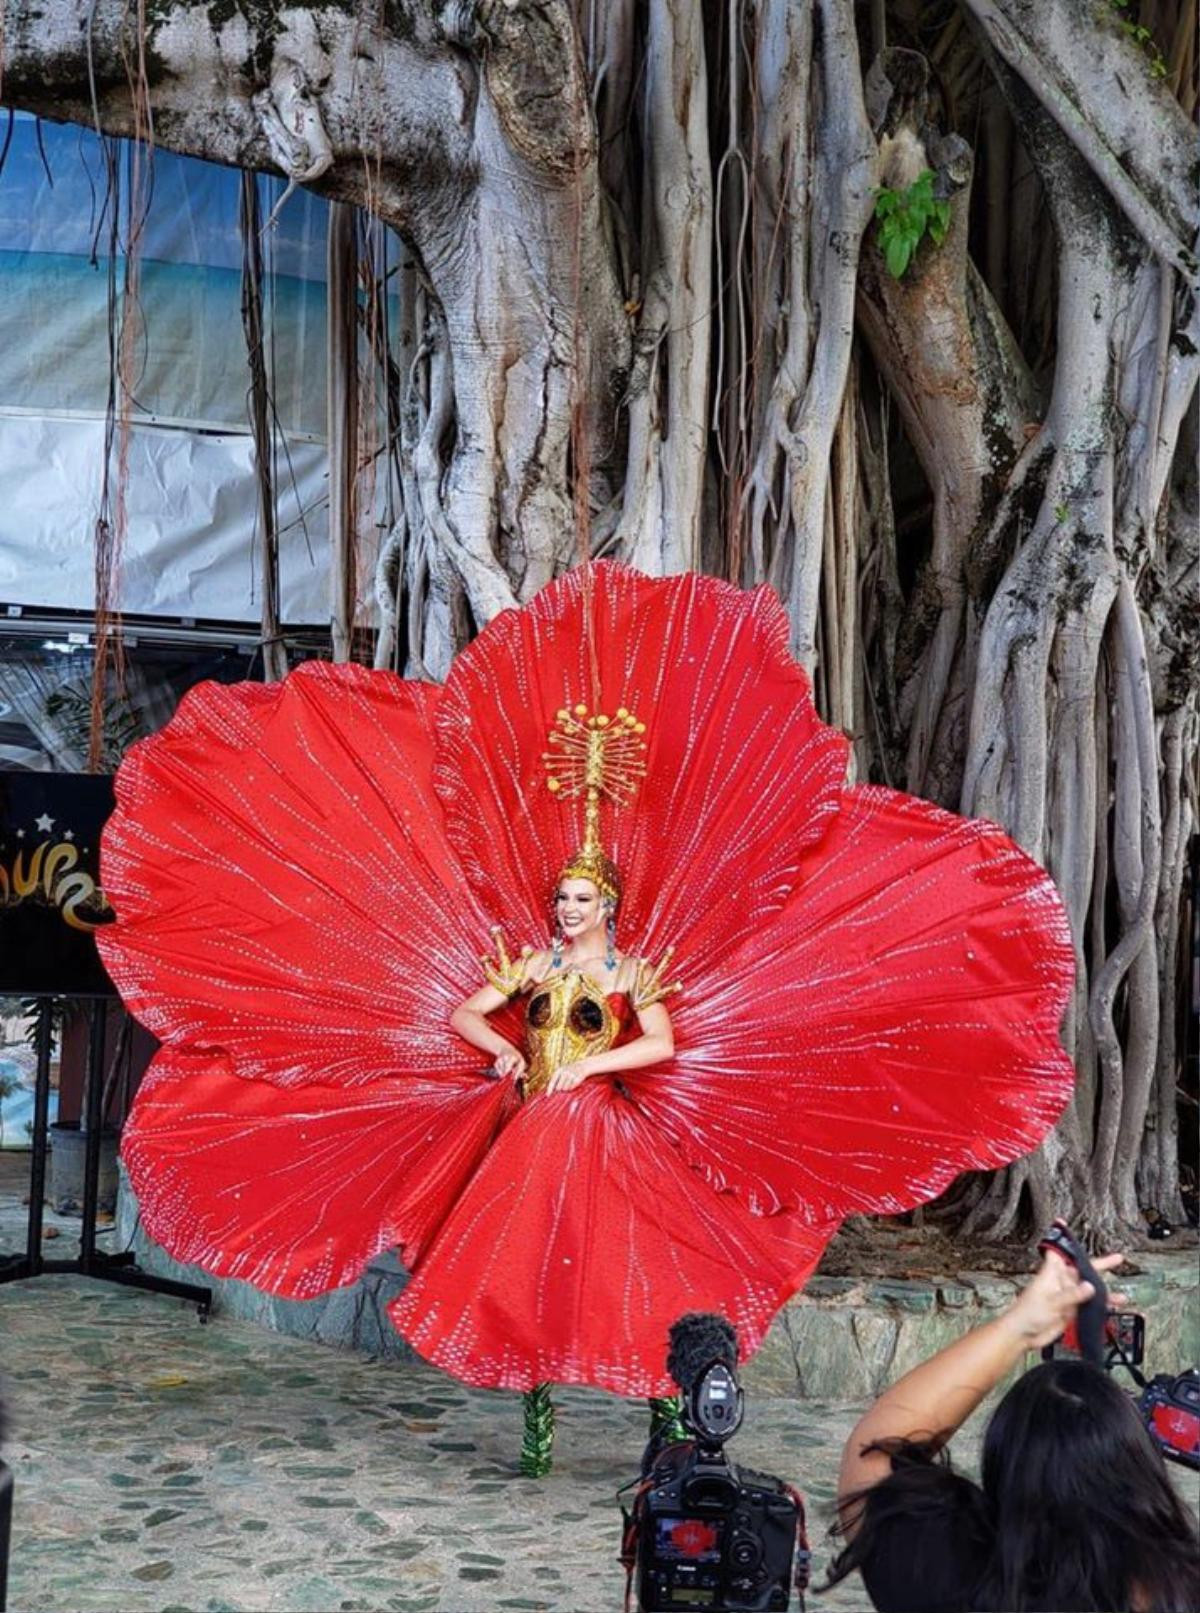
column 892, row 306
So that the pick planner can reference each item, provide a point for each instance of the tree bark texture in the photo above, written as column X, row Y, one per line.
column 644, row 305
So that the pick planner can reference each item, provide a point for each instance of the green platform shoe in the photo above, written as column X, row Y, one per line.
column 537, row 1446
column 666, row 1420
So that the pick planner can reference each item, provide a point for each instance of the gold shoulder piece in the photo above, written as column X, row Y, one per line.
column 649, row 986
column 505, row 973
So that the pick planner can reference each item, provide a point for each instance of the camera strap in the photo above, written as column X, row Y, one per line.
column 803, row 1570
column 629, row 1539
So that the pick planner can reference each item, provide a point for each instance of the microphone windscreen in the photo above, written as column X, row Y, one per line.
column 697, row 1340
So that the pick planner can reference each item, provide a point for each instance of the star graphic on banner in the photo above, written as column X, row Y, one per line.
column 68, row 834
column 45, row 823
column 20, row 834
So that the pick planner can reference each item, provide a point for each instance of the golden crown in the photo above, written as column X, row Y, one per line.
column 597, row 757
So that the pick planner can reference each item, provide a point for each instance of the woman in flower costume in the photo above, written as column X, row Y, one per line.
column 305, row 875
column 594, row 1013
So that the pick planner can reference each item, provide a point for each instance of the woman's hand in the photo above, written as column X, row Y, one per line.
column 569, row 1076
column 509, row 1063
column 1048, row 1304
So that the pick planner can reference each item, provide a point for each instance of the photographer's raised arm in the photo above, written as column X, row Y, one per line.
column 936, row 1398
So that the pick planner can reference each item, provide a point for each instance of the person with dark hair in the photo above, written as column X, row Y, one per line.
column 1076, row 1510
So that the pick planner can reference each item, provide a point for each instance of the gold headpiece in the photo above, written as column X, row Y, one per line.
column 595, row 756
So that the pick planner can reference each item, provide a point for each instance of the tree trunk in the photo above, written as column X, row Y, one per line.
column 644, row 306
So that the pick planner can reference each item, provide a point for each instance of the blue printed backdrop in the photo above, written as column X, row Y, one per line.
column 190, row 547
column 53, row 296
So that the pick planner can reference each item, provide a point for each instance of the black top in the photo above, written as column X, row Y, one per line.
column 924, row 1539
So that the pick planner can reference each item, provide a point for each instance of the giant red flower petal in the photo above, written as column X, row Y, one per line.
column 581, row 1238
column 295, row 1190
column 896, row 1025
column 283, row 885
column 741, row 774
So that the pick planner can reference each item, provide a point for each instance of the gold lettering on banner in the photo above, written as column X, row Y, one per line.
column 49, row 873
column 25, row 881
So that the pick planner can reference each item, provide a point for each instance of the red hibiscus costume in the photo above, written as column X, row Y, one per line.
column 305, row 875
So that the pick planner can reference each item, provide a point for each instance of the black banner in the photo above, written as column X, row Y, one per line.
column 50, row 898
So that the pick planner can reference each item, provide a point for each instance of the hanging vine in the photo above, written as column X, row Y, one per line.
column 891, row 306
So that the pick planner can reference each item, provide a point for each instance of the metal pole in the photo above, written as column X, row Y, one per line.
column 43, row 1038
column 93, row 1125
column 92, row 1262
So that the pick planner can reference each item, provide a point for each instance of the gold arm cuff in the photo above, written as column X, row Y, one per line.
column 649, row 987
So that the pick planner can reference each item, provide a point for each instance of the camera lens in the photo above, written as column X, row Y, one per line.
column 745, row 1551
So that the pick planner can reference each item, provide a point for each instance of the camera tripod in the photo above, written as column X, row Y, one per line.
column 91, row 1262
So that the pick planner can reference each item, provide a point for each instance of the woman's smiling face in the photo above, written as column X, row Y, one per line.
column 578, row 907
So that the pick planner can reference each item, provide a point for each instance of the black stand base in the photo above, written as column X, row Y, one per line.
column 109, row 1269
column 91, row 1262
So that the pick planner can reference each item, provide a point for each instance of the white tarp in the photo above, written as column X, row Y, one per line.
column 190, row 548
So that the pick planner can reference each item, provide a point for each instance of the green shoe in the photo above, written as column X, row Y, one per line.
column 537, row 1447
column 666, row 1420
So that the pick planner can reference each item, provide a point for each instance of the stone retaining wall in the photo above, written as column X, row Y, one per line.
column 848, row 1339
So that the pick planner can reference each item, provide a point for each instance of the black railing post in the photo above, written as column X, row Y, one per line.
column 118, row 1268
column 92, row 1122
column 43, row 1043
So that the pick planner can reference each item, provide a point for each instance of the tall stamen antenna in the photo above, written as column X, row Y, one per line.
column 597, row 757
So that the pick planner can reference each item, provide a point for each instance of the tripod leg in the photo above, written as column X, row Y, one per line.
column 538, row 1444
column 666, row 1420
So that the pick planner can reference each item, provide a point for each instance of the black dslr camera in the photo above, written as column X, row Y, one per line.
column 704, row 1532
column 1169, row 1403
column 1170, row 1408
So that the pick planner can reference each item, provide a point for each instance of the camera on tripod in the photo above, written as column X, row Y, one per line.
column 704, row 1532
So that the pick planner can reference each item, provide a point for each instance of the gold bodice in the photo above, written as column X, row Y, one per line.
column 569, row 1014
column 568, row 1017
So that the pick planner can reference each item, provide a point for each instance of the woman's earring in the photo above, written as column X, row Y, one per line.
column 556, row 954
column 610, row 930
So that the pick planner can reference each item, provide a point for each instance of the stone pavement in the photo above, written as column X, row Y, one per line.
column 168, row 1465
